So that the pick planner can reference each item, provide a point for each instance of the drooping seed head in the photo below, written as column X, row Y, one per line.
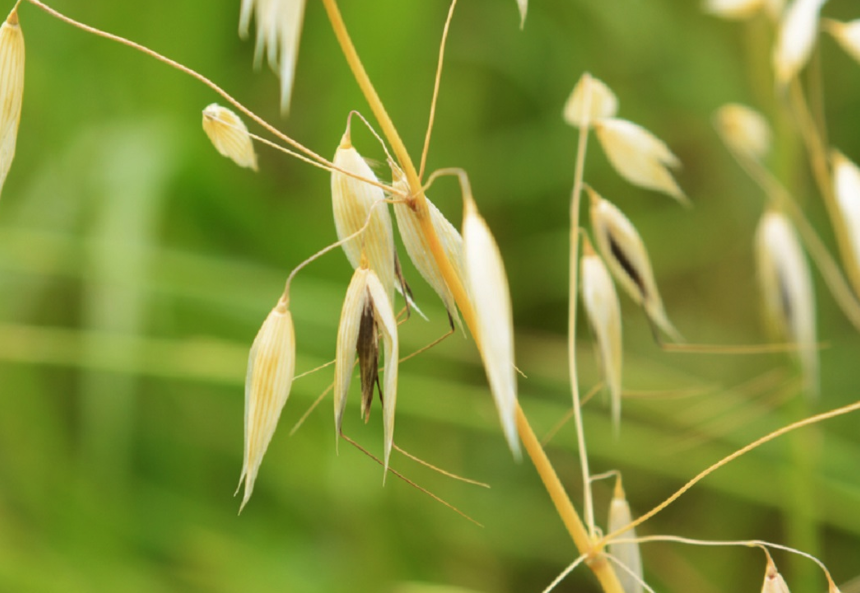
column 604, row 316
column 366, row 314
column 846, row 186
column 279, row 28
column 745, row 130
column 627, row 553
column 786, row 286
column 488, row 285
column 271, row 367
column 624, row 252
column 638, row 156
column 418, row 248
column 11, row 90
column 796, row 39
column 353, row 201
column 601, row 101
column 847, row 35
column 229, row 135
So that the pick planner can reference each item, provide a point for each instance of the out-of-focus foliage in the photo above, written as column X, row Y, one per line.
column 136, row 266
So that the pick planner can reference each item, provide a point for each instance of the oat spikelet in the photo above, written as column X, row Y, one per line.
column 733, row 9
column 279, row 28
column 745, row 130
column 773, row 581
column 367, row 314
column 623, row 250
column 352, row 201
column 638, row 156
column 847, row 35
column 229, row 135
column 846, row 186
column 795, row 39
column 488, row 286
column 602, row 102
column 786, row 285
column 626, row 553
column 271, row 367
column 11, row 90
column 418, row 249
column 604, row 316
column 524, row 8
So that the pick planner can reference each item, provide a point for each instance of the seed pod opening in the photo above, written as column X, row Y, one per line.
column 271, row 367
column 601, row 101
column 745, row 131
column 366, row 316
column 229, row 135
column 796, row 39
column 624, row 252
column 786, row 286
column 11, row 90
column 639, row 156
column 488, row 286
column 604, row 316
column 627, row 553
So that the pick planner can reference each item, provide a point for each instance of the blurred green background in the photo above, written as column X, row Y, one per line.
column 136, row 266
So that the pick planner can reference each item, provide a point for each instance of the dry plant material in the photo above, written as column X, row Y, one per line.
column 353, row 201
column 488, row 284
column 846, row 187
column 271, row 367
column 627, row 553
column 639, row 156
column 786, row 285
column 773, row 581
column 229, row 135
column 418, row 248
column 847, row 35
column 279, row 28
column 745, row 130
column 11, row 90
column 600, row 100
column 623, row 250
column 366, row 315
column 604, row 316
column 796, row 39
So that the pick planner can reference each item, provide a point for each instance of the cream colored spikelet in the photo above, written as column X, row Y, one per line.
column 627, row 553
column 365, row 297
column 271, row 367
column 279, row 28
column 638, row 156
column 523, row 5
column 796, row 39
column 488, row 285
column 418, row 249
column 624, row 252
column 229, row 135
column 604, row 316
column 602, row 102
column 353, row 201
column 786, row 286
column 11, row 90
column 773, row 581
column 847, row 35
column 733, row 9
column 745, row 130
column 846, row 187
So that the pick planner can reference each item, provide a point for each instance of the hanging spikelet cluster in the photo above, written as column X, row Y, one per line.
column 11, row 90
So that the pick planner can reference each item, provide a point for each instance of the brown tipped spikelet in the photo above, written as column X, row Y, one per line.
column 744, row 130
column 623, row 250
column 604, row 316
column 353, row 201
column 488, row 285
column 11, row 89
column 418, row 249
column 271, row 367
column 847, row 35
column 638, row 156
column 796, row 39
column 626, row 553
column 601, row 101
column 229, row 135
column 366, row 315
column 773, row 581
column 279, row 28
column 786, row 285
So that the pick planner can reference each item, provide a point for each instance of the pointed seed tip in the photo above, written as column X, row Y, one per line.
column 12, row 19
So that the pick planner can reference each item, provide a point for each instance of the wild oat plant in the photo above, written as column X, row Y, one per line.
column 770, row 365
